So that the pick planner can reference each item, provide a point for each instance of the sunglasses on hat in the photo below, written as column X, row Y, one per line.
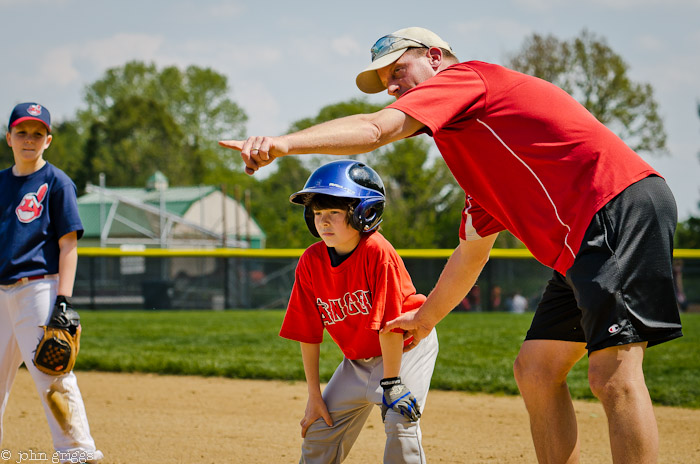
column 386, row 45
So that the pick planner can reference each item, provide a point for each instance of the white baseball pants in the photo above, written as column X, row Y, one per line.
column 350, row 396
column 23, row 308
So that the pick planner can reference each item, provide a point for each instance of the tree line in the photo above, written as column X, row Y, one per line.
column 138, row 119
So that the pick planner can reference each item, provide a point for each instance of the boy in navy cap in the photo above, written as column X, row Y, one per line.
column 40, row 227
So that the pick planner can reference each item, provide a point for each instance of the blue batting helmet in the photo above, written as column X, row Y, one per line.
column 346, row 179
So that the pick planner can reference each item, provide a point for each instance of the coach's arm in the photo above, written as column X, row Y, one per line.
column 457, row 278
column 351, row 135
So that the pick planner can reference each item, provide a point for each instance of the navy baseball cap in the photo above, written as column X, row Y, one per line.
column 29, row 111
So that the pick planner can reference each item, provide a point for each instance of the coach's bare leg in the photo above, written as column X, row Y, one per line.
column 617, row 380
column 540, row 371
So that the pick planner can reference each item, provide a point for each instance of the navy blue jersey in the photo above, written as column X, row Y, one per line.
column 35, row 211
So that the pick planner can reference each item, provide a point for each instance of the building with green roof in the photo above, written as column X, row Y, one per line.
column 166, row 217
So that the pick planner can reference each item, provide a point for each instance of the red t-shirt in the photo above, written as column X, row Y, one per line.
column 529, row 157
column 353, row 300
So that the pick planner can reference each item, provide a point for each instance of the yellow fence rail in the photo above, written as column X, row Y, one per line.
column 506, row 253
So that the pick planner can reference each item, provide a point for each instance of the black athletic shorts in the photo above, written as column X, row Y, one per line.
column 620, row 288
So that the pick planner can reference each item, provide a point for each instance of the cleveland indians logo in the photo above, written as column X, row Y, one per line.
column 30, row 207
column 34, row 110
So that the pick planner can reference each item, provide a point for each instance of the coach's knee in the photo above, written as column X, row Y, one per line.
column 610, row 389
column 535, row 373
column 528, row 371
column 616, row 373
column 520, row 369
column 605, row 389
column 545, row 364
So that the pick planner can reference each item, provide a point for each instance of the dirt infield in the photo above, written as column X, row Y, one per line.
column 143, row 418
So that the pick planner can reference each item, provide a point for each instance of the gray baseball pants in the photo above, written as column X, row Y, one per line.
column 350, row 396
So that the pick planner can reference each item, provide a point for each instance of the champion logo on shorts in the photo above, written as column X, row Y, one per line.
column 613, row 329
column 30, row 207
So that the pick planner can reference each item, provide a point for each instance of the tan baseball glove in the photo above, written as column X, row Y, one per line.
column 58, row 348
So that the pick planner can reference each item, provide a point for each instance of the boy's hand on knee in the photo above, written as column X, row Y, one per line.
column 315, row 408
column 398, row 397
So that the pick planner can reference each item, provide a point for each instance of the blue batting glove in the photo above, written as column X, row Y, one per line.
column 399, row 398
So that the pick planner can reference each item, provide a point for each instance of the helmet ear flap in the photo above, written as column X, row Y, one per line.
column 368, row 214
column 309, row 218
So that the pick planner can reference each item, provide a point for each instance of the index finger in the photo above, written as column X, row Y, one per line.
column 240, row 145
column 327, row 418
column 304, row 427
column 232, row 144
column 394, row 324
column 410, row 346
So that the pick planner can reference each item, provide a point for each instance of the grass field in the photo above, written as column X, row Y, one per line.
column 477, row 350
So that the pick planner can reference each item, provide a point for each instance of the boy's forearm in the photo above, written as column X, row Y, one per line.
column 392, row 350
column 67, row 263
column 310, row 354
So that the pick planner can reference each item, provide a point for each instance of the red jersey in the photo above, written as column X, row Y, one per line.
column 529, row 157
column 352, row 300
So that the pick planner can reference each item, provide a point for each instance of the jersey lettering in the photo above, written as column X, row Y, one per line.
column 30, row 208
column 358, row 302
column 351, row 304
column 323, row 310
column 337, row 309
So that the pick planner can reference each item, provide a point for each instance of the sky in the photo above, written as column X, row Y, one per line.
column 285, row 60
